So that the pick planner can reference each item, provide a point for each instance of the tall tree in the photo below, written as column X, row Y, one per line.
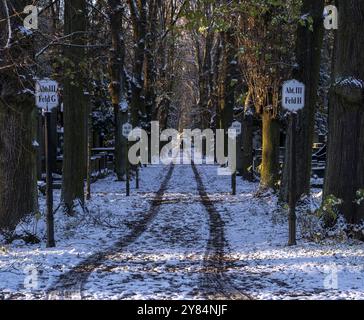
column 345, row 157
column 18, row 193
column 265, row 39
column 204, row 48
column 308, row 56
column 247, row 140
column 227, row 81
column 74, row 104
column 150, row 68
column 138, row 12
column 117, row 83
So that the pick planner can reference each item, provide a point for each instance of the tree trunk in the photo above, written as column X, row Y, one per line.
column 270, row 151
column 215, row 85
column 308, row 53
column 89, row 149
column 247, row 147
column 74, row 108
column 150, row 74
column 345, row 162
column 226, row 91
column 18, row 191
column 117, row 85
column 138, row 11
column 205, row 81
column 18, row 187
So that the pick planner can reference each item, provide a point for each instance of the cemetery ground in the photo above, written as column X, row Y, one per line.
column 182, row 235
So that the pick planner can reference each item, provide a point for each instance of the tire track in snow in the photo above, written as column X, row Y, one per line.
column 215, row 284
column 166, row 262
column 73, row 280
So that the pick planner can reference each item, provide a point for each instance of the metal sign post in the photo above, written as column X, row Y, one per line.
column 236, row 125
column 49, row 180
column 138, row 133
column 47, row 99
column 137, row 177
column 127, row 192
column 292, row 183
column 293, row 99
column 126, row 130
column 233, row 183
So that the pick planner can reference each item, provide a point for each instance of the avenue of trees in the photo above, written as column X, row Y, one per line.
column 184, row 63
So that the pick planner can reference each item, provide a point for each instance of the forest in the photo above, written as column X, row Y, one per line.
column 181, row 149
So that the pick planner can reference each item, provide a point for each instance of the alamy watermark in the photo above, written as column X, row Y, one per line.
column 331, row 18
column 195, row 146
column 331, row 280
column 32, row 283
column 31, row 279
column 31, row 20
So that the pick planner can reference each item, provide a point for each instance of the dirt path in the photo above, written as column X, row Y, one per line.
column 214, row 283
column 173, row 249
column 74, row 280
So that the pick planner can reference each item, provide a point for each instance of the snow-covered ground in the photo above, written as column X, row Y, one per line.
column 257, row 233
column 168, row 255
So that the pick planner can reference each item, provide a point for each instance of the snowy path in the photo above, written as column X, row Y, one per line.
column 166, row 260
column 180, row 255
column 75, row 279
column 215, row 283
column 190, row 240
column 256, row 232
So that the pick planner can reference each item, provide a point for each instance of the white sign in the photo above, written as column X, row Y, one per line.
column 237, row 126
column 127, row 128
column 46, row 94
column 293, row 95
